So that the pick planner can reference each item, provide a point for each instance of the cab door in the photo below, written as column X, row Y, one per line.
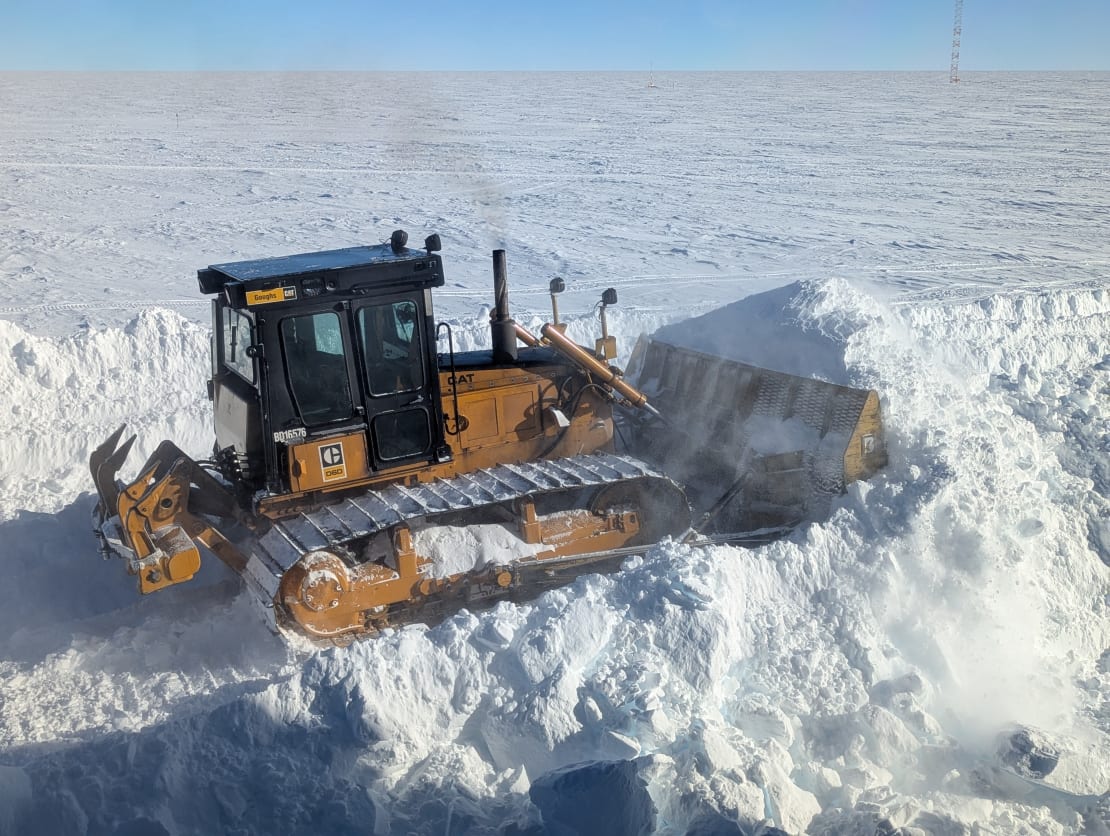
column 397, row 385
column 319, row 431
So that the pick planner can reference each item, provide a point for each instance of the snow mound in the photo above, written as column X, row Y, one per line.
column 63, row 397
column 848, row 679
column 784, row 329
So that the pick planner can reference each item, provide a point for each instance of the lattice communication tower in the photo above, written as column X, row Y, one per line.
column 957, row 28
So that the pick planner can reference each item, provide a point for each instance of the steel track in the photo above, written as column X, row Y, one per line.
column 340, row 526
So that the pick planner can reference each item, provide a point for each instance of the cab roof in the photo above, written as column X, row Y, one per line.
column 367, row 269
column 323, row 261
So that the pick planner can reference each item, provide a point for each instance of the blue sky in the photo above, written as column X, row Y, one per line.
column 551, row 35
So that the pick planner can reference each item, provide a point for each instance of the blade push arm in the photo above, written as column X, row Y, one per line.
column 588, row 363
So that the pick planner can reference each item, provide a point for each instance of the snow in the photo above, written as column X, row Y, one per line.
column 942, row 245
column 462, row 549
column 765, row 330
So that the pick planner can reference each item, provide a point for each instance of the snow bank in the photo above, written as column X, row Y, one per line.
column 63, row 397
column 851, row 675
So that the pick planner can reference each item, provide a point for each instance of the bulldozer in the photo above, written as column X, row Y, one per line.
column 357, row 453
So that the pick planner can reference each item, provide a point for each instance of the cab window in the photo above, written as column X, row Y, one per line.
column 316, row 367
column 401, row 434
column 236, row 341
column 389, row 337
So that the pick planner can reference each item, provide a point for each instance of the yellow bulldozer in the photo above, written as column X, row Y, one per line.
column 352, row 441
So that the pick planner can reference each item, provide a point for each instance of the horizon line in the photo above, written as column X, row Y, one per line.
column 941, row 71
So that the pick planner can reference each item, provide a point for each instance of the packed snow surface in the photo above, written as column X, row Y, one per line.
column 944, row 245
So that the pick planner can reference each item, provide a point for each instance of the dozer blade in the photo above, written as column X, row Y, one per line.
column 104, row 463
column 755, row 446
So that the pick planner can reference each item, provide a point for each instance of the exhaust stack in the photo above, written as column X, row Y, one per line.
column 501, row 324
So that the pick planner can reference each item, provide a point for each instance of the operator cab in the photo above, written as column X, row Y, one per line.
column 325, row 363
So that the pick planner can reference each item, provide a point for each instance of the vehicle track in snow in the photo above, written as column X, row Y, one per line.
column 905, row 285
column 136, row 305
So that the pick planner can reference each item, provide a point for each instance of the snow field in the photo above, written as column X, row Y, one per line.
column 942, row 244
